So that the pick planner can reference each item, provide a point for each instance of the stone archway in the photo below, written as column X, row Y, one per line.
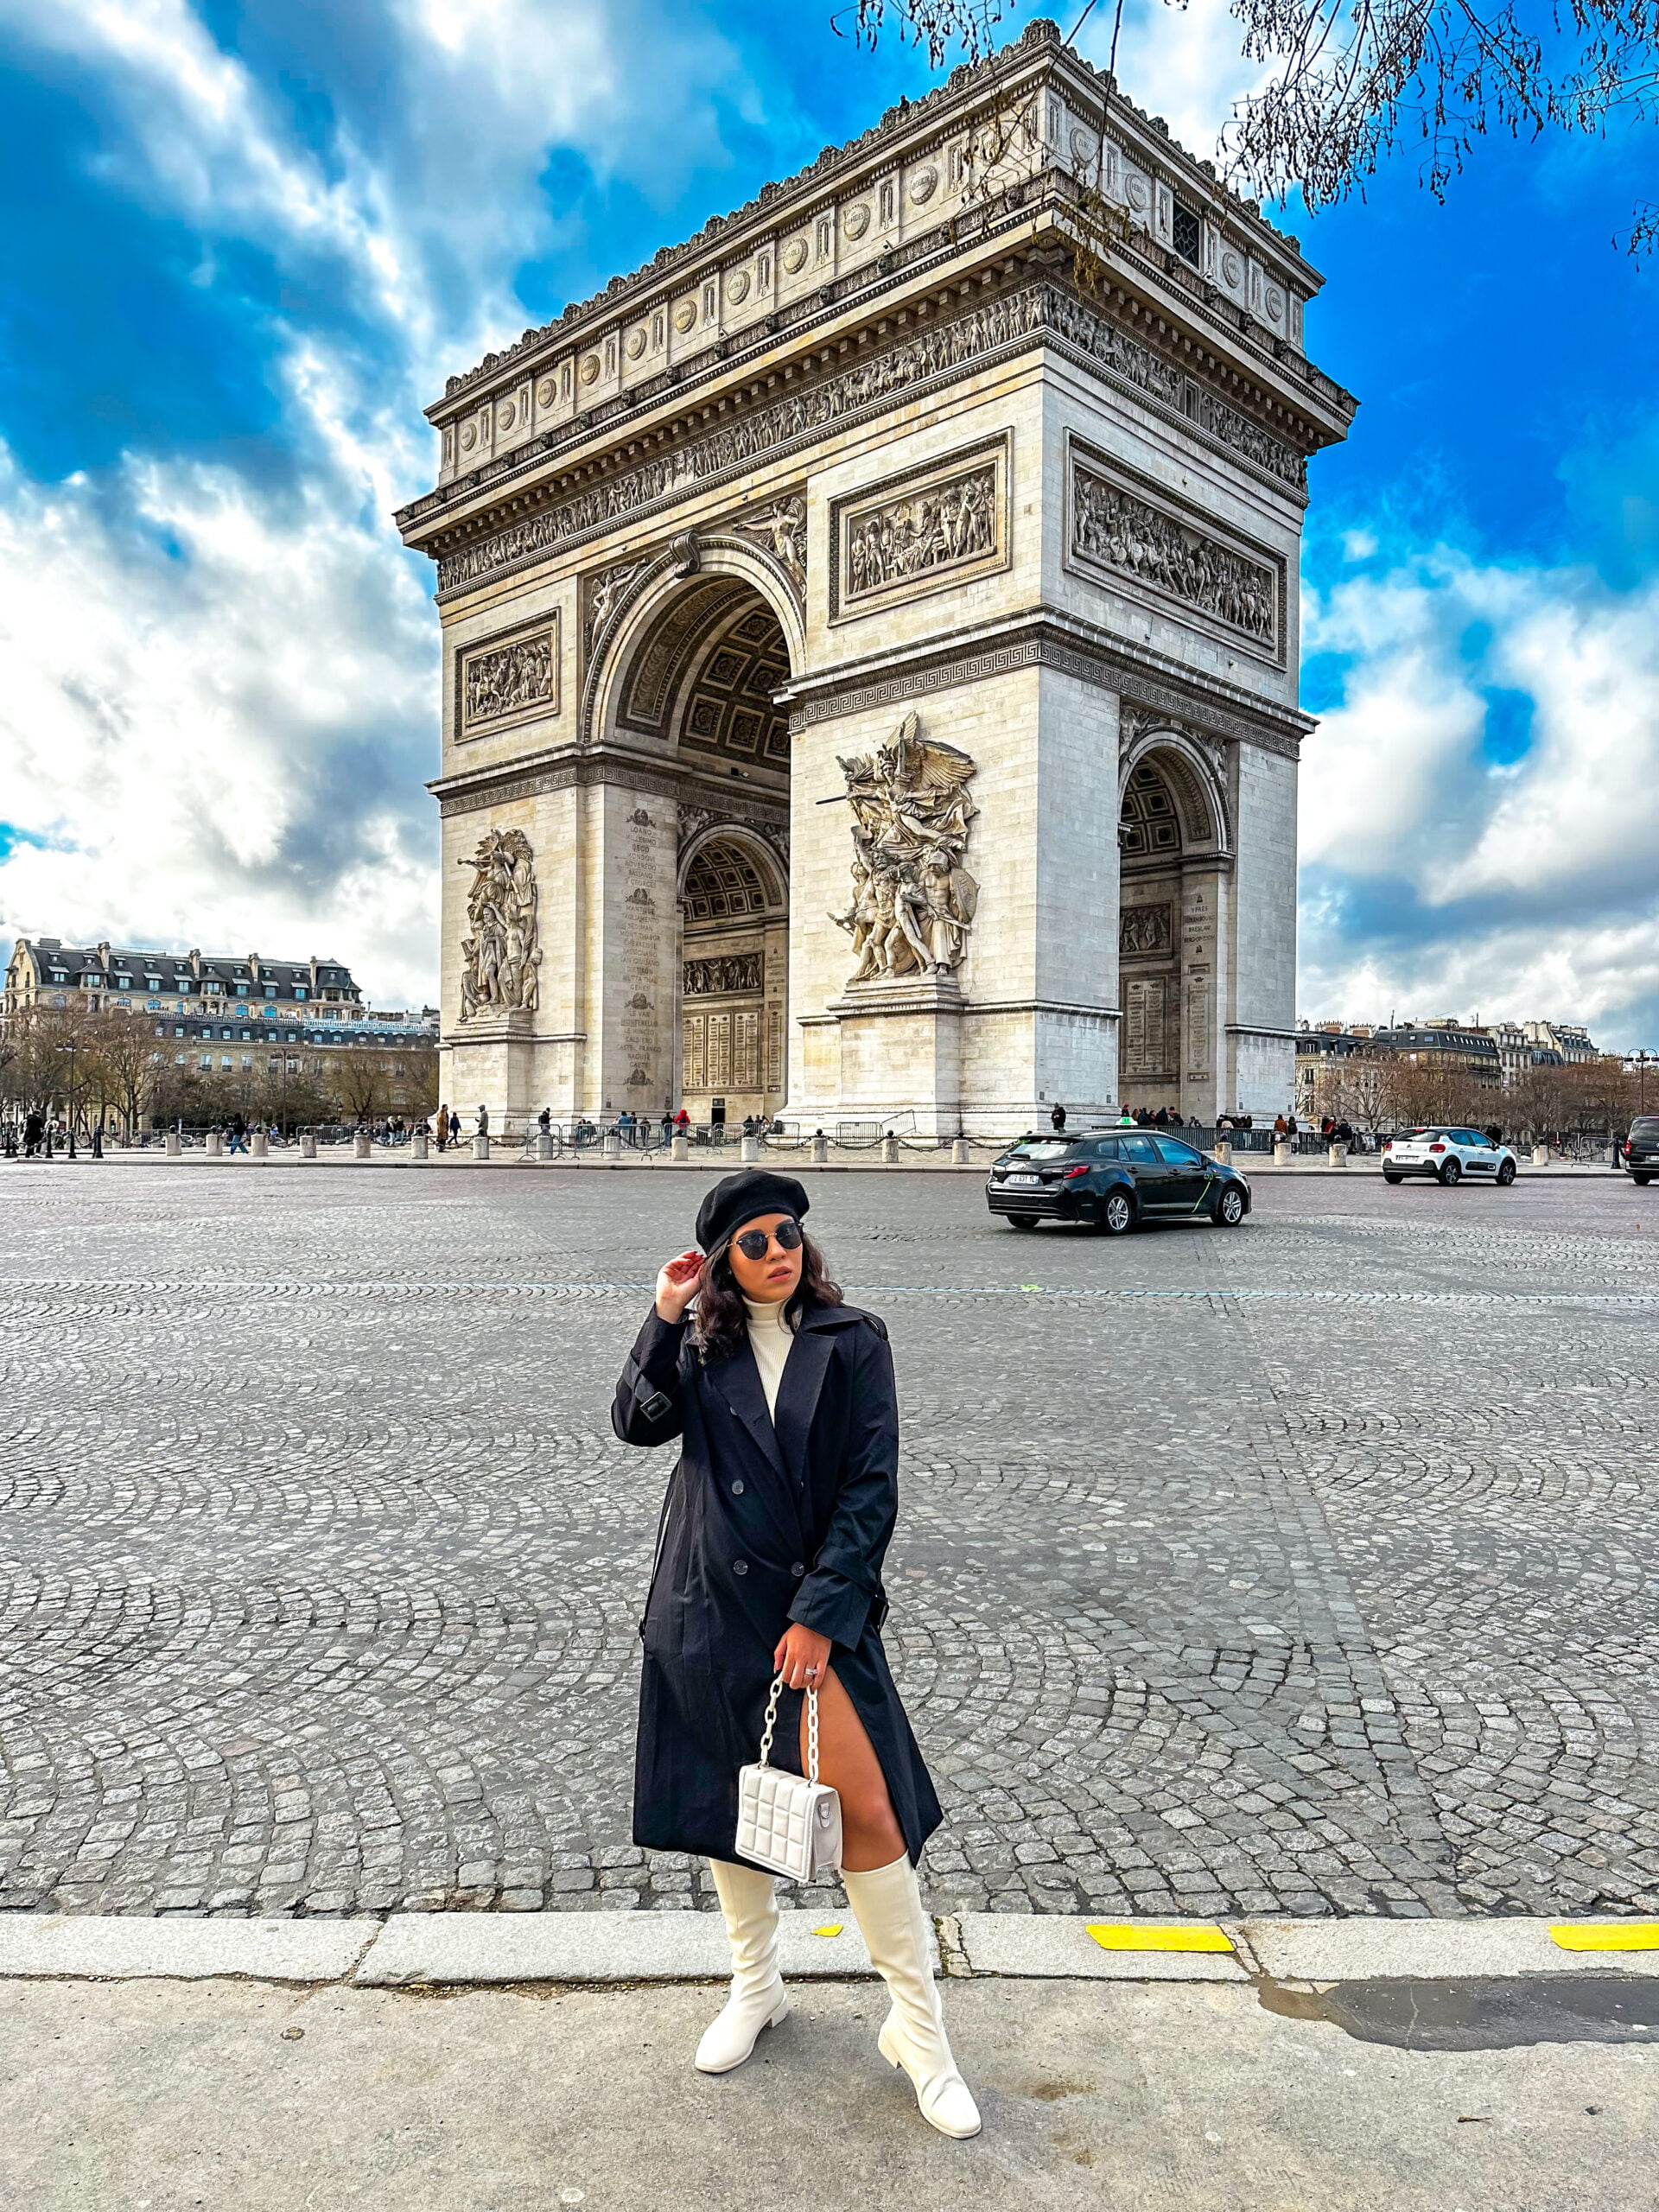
column 691, row 659
column 1173, row 847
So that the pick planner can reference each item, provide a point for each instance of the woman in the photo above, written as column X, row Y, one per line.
column 769, row 1558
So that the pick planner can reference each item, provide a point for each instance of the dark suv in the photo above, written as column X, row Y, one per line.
column 1112, row 1179
column 1638, row 1154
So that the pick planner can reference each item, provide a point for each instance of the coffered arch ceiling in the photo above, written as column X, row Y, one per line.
column 707, row 677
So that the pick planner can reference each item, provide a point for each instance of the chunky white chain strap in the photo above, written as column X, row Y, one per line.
column 812, row 1728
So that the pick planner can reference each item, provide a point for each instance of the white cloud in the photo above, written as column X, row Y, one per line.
column 1442, row 881
column 219, row 713
column 1184, row 63
column 222, row 700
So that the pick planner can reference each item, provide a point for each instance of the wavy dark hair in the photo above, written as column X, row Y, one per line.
column 721, row 1326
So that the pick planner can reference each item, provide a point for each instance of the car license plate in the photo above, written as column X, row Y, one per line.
column 1022, row 1179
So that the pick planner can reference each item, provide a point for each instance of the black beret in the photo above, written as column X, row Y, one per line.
column 740, row 1198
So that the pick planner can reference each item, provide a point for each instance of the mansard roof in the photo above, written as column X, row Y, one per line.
column 49, row 953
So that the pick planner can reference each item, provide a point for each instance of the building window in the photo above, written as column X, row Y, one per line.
column 299, row 990
column 1187, row 234
column 206, row 1059
column 224, row 1059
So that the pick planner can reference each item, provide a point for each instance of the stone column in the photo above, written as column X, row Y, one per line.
column 308, row 1144
column 1281, row 1153
column 543, row 1144
column 215, row 1144
column 1339, row 1155
column 820, row 1148
column 1223, row 1152
column 1541, row 1155
column 959, row 1153
column 480, row 1146
column 749, row 1150
column 418, row 1143
column 613, row 1146
column 173, row 1146
column 680, row 1149
column 258, row 1146
column 361, row 1145
column 889, row 1152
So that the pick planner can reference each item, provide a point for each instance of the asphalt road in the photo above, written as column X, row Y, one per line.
column 1309, row 1567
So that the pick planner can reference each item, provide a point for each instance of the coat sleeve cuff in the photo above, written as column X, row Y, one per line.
column 831, row 1606
column 657, row 1350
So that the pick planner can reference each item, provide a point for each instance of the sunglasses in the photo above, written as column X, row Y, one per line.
column 753, row 1243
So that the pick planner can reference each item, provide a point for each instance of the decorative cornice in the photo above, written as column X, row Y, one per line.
column 1040, row 313
column 1045, row 641
column 503, row 785
column 904, row 132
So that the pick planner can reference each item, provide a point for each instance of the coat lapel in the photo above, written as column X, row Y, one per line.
column 799, row 1392
column 738, row 1380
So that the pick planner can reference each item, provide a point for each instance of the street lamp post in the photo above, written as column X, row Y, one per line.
column 71, row 1047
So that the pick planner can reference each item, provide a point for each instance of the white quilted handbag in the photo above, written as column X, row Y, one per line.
column 790, row 1823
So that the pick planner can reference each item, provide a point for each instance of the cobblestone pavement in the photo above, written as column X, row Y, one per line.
column 1308, row 1568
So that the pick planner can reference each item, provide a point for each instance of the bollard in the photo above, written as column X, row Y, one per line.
column 889, row 1152
column 544, row 1144
column 360, row 1144
column 1541, row 1155
column 308, row 1144
column 215, row 1144
column 418, row 1144
column 749, row 1150
column 1223, row 1152
column 613, row 1144
column 820, row 1148
column 680, row 1146
column 174, row 1147
column 959, row 1152
column 258, row 1146
column 1282, row 1154
column 1339, row 1155
column 481, row 1146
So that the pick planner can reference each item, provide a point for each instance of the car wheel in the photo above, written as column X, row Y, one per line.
column 1388, row 1176
column 1452, row 1173
column 1230, row 1207
column 1506, row 1173
column 1642, row 1179
column 1020, row 1221
column 1117, row 1213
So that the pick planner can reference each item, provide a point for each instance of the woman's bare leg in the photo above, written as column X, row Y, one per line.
column 870, row 1832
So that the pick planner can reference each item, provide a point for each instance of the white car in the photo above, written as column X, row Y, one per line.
column 1448, row 1155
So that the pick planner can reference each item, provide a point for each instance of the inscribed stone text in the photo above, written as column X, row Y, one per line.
column 510, row 679
column 499, row 960
column 1111, row 526
column 933, row 528
column 913, row 901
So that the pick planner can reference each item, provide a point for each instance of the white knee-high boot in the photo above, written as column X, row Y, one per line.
column 887, row 1905
column 758, row 1999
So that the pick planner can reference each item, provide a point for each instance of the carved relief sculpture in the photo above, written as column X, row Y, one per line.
column 1144, row 929
column 518, row 676
column 913, row 900
column 782, row 527
column 500, row 958
column 1111, row 526
column 934, row 529
column 723, row 975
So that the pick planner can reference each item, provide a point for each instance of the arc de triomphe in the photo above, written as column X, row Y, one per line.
column 870, row 642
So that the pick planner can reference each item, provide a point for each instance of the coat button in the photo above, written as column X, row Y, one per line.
column 797, row 1568
column 740, row 1566
column 737, row 1489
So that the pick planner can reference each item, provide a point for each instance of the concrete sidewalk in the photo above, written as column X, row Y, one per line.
column 224, row 2096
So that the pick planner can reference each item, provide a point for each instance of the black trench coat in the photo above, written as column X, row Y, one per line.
column 764, row 1525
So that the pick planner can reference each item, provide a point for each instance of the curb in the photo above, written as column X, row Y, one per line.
column 456, row 1949
column 1588, row 1173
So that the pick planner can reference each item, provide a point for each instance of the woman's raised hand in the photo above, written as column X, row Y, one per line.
column 677, row 1284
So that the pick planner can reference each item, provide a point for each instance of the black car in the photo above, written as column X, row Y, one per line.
column 1112, row 1180
column 1638, row 1154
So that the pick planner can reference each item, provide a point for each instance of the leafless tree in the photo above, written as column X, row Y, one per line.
column 1356, row 81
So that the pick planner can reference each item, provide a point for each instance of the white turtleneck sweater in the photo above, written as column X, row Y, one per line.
column 772, row 1337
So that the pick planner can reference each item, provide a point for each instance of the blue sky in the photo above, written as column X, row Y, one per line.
column 248, row 242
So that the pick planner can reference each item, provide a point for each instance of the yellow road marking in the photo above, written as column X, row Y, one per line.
column 830, row 1928
column 1606, row 1935
column 1142, row 1936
